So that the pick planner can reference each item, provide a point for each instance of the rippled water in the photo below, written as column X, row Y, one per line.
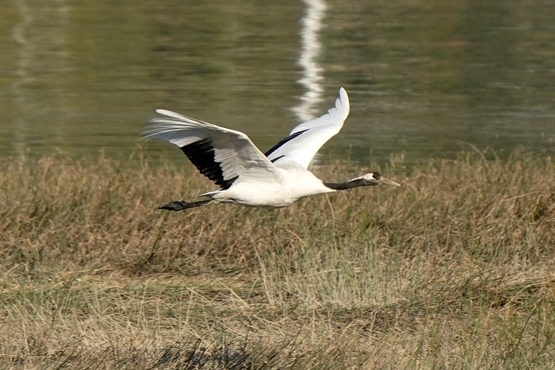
column 423, row 76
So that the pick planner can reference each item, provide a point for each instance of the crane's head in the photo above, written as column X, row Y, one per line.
column 370, row 179
column 376, row 178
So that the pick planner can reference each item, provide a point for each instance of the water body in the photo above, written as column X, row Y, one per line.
column 425, row 78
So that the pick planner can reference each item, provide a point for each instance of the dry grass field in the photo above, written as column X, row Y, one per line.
column 453, row 270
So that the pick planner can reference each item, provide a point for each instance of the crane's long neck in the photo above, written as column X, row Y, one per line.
column 356, row 182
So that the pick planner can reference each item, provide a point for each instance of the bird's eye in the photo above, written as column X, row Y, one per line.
column 377, row 175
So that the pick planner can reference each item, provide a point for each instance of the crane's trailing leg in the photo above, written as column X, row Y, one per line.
column 180, row 205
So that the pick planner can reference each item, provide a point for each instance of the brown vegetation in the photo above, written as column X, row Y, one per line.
column 452, row 270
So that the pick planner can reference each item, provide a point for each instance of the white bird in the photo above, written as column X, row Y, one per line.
column 245, row 175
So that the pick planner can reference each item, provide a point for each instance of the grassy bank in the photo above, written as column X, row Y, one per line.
column 455, row 269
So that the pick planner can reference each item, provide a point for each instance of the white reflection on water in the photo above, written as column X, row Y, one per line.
column 310, row 49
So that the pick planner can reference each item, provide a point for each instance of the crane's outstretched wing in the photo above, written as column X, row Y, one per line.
column 220, row 154
column 307, row 138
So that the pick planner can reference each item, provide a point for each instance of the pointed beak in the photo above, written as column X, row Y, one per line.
column 383, row 180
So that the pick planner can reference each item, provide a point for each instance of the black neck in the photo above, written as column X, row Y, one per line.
column 359, row 181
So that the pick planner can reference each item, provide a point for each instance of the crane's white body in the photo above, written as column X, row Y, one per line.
column 246, row 175
column 284, row 189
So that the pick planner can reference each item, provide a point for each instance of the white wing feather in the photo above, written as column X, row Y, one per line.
column 233, row 150
column 304, row 147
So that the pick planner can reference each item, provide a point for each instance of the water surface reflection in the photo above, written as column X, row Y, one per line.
column 422, row 78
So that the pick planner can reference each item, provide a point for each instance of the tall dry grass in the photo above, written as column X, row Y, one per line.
column 452, row 270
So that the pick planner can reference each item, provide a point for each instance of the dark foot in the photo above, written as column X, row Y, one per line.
column 180, row 205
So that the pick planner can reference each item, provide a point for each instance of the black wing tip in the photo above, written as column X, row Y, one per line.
column 283, row 142
column 201, row 153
